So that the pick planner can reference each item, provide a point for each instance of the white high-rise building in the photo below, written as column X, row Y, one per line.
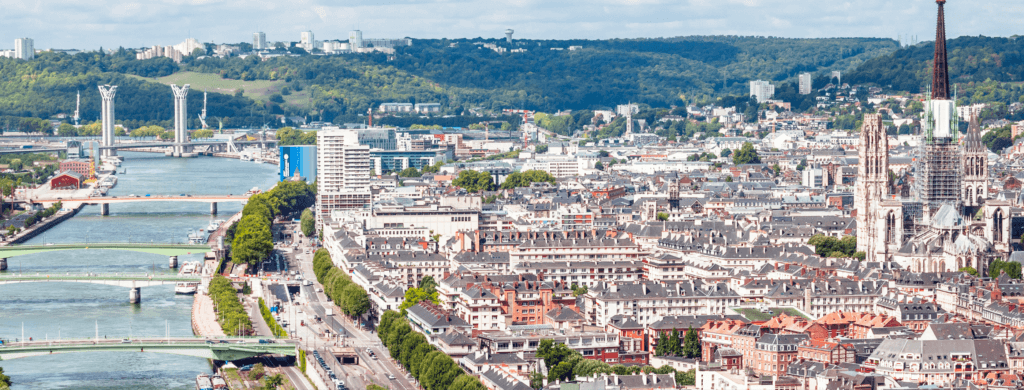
column 259, row 41
column 762, row 90
column 355, row 39
column 307, row 41
column 805, row 83
column 343, row 171
column 24, row 49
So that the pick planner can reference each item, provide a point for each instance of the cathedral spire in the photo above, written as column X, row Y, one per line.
column 940, row 72
column 972, row 142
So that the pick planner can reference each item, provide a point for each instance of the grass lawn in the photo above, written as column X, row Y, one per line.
column 756, row 315
column 256, row 89
column 233, row 379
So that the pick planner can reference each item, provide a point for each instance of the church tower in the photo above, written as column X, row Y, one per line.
column 974, row 164
column 940, row 173
column 872, row 185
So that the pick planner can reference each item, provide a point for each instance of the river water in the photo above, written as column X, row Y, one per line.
column 72, row 310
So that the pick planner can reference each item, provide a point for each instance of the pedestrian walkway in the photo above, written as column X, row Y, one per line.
column 204, row 319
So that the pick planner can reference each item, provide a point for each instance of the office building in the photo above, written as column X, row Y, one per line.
column 24, row 49
column 259, row 41
column 307, row 41
column 396, row 160
column 805, row 83
column 355, row 39
column 342, row 171
column 762, row 90
column 298, row 161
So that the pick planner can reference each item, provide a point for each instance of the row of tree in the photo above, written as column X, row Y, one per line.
column 477, row 181
column 350, row 297
column 252, row 240
column 566, row 364
column 669, row 344
column 230, row 313
column 268, row 317
column 828, row 246
column 43, row 214
column 432, row 368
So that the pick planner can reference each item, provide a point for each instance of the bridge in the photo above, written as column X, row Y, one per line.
column 225, row 349
column 141, row 145
column 105, row 202
column 154, row 248
column 134, row 282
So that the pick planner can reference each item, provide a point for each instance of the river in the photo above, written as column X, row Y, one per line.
column 71, row 310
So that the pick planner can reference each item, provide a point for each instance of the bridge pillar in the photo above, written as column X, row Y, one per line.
column 213, row 208
column 105, row 209
column 174, row 262
column 3, row 264
column 135, row 295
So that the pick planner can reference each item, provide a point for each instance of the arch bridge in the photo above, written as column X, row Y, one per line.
column 226, row 349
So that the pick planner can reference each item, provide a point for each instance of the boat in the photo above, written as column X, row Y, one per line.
column 196, row 238
column 186, row 288
column 245, row 157
column 219, row 383
column 189, row 268
column 213, row 227
column 203, row 382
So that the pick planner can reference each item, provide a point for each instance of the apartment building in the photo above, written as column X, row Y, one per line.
column 343, row 172
column 648, row 301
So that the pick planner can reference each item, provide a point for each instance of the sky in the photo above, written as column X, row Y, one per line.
column 66, row 24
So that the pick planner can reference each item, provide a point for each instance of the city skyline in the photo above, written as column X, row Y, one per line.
column 139, row 25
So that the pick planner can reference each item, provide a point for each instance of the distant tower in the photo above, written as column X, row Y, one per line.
column 508, row 35
column 202, row 117
column 805, row 84
column 355, row 39
column 180, row 118
column 78, row 106
column 940, row 176
column 974, row 165
column 872, row 184
column 107, row 92
column 259, row 40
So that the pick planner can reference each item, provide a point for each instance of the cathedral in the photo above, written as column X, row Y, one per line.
column 950, row 222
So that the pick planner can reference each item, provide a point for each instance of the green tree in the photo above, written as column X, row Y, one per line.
column 409, row 172
column 274, row 381
column 536, row 380
column 357, row 302
column 663, row 347
column 691, row 344
column 686, row 378
column 202, row 134
column 474, row 181
column 663, row 216
column 969, row 270
column 253, row 241
column 416, row 295
column 746, row 155
column 599, row 166
column 561, row 372
column 5, row 381
column 541, row 149
column 675, row 344
column 66, row 130
column 308, row 223
column 526, row 178
column 428, row 285
column 466, row 382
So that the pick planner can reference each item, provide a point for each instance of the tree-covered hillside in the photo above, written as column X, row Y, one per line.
column 971, row 59
column 459, row 74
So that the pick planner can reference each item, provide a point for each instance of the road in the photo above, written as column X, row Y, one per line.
column 352, row 335
column 291, row 371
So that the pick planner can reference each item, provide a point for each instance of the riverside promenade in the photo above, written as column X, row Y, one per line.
column 204, row 319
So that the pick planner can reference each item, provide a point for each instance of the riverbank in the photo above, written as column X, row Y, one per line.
column 204, row 318
column 42, row 226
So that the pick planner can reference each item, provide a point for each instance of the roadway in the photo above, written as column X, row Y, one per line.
column 220, row 349
column 352, row 336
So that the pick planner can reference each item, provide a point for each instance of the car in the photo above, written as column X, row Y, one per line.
column 126, row 341
column 369, row 351
column 147, row 195
column 265, row 341
column 391, row 376
column 182, row 195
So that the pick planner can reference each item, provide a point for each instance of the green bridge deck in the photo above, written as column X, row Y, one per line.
column 155, row 248
column 216, row 351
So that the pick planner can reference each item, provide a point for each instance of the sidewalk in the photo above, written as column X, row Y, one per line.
column 204, row 319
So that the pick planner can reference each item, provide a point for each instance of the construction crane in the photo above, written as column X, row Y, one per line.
column 202, row 116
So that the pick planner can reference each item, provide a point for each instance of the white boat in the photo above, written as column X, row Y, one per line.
column 213, row 227
column 196, row 238
column 189, row 268
column 186, row 288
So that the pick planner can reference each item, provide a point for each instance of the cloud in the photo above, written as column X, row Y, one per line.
column 110, row 23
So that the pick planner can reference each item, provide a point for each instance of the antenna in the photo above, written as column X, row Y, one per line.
column 202, row 117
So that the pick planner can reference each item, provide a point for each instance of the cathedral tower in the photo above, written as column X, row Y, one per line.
column 974, row 163
column 872, row 185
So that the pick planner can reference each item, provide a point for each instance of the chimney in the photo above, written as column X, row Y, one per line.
column 477, row 248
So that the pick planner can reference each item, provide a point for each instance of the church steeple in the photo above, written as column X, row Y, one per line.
column 940, row 71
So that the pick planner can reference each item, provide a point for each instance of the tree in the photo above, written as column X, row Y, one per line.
column 409, row 172
column 308, row 223
column 728, row 179
column 691, row 344
column 416, row 295
column 428, row 285
column 536, row 380
column 357, row 302
column 599, row 166
column 253, row 241
column 5, row 381
column 686, row 378
column 66, row 130
column 526, row 178
column 561, row 372
column 663, row 216
column 474, row 181
column 746, row 155
column 675, row 345
column 577, row 291
column 969, row 270
column 202, row 134
column 257, row 371
column 273, row 381
column 663, row 347
column 541, row 149
column 466, row 382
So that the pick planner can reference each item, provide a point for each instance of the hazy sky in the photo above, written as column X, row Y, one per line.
column 109, row 23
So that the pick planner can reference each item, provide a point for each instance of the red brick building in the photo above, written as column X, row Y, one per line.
column 66, row 181
column 80, row 167
column 773, row 353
